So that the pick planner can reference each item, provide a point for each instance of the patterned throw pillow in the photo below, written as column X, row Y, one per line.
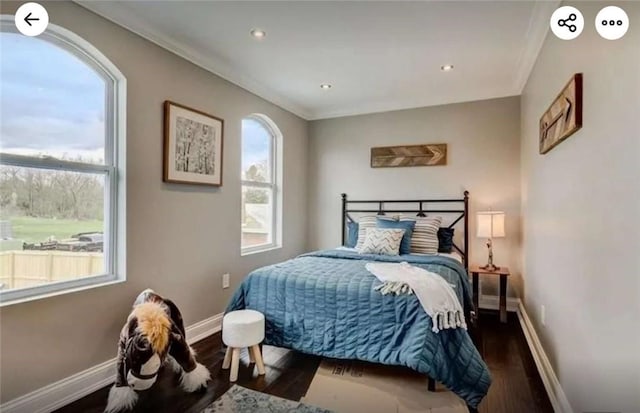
column 425, row 235
column 408, row 226
column 383, row 241
column 365, row 222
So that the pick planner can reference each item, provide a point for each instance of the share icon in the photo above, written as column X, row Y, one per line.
column 565, row 22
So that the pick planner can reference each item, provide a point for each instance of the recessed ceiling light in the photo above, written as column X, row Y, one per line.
column 325, row 86
column 446, row 68
column 258, row 33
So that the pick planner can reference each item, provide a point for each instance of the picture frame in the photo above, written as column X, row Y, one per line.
column 563, row 118
column 193, row 146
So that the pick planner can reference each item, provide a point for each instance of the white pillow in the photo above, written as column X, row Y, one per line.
column 424, row 239
column 368, row 221
column 383, row 241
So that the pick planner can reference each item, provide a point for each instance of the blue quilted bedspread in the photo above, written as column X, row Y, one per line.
column 324, row 303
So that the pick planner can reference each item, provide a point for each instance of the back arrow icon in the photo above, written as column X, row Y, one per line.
column 29, row 19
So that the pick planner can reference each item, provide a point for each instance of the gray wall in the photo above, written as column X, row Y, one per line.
column 581, row 229
column 483, row 157
column 180, row 238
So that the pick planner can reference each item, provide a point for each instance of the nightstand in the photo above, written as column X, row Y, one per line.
column 503, row 272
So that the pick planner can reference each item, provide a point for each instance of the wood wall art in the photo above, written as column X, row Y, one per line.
column 409, row 155
column 564, row 116
column 192, row 146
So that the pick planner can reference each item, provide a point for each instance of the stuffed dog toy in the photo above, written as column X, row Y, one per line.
column 152, row 336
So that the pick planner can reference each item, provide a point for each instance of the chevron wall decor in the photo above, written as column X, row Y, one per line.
column 411, row 155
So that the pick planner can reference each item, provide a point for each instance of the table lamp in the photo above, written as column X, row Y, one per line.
column 490, row 225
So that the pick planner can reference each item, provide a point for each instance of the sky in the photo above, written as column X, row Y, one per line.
column 255, row 143
column 52, row 103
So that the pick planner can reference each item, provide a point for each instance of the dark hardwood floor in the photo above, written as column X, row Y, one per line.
column 516, row 387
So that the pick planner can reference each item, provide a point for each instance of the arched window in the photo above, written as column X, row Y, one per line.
column 62, row 146
column 261, row 184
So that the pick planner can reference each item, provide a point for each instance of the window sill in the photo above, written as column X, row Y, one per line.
column 7, row 303
column 258, row 250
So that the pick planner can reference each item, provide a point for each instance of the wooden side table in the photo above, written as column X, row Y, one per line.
column 503, row 272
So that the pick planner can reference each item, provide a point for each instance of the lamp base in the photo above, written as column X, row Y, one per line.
column 490, row 267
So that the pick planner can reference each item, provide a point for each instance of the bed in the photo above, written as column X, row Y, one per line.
column 325, row 303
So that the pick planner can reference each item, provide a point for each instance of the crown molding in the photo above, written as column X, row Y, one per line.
column 390, row 106
column 536, row 33
column 123, row 16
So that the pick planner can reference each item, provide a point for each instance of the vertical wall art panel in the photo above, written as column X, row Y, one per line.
column 564, row 116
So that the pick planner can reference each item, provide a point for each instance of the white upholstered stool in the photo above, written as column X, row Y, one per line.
column 240, row 329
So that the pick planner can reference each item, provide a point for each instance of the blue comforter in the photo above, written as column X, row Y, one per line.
column 324, row 303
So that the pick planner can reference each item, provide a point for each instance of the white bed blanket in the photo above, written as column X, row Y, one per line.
column 435, row 294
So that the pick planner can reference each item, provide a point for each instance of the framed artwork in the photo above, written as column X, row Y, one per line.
column 564, row 116
column 193, row 143
column 409, row 155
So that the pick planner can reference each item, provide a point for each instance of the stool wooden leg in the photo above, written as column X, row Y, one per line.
column 227, row 358
column 431, row 384
column 235, row 361
column 252, row 359
column 258, row 356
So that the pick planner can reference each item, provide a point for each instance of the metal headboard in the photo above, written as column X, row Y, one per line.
column 421, row 210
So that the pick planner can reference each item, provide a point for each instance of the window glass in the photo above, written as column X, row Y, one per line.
column 259, row 209
column 256, row 151
column 59, row 192
column 257, row 216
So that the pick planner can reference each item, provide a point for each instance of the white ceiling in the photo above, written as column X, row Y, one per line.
column 378, row 56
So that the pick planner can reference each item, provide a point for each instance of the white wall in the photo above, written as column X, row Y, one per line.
column 180, row 238
column 483, row 157
column 581, row 228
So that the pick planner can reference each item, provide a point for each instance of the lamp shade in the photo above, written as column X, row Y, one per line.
column 490, row 224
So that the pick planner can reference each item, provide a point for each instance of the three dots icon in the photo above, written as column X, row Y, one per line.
column 612, row 22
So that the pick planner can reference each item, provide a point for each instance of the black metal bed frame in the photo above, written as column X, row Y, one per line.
column 421, row 211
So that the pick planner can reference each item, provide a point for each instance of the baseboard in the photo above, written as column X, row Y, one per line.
column 205, row 328
column 72, row 388
column 557, row 396
column 492, row 302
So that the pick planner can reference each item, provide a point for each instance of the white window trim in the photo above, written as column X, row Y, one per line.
column 114, row 168
column 275, row 185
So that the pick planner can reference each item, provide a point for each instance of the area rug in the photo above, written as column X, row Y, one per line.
column 355, row 387
column 241, row 400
